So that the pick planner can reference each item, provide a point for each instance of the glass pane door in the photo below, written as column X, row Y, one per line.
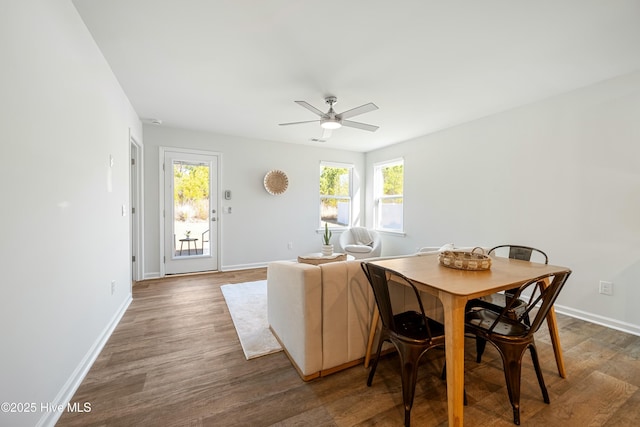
column 190, row 212
column 190, row 208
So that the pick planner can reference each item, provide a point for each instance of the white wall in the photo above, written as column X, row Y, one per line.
column 261, row 225
column 63, row 237
column 562, row 175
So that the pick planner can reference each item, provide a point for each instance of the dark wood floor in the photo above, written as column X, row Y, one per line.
column 175, row 360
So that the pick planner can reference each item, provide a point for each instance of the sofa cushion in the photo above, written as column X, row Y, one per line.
column 361, row 249
column 362, row 236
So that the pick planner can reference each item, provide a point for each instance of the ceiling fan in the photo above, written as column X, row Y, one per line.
column 332, row 120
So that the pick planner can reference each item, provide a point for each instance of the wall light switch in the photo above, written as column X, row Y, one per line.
column 606, row 288
column 124, row 210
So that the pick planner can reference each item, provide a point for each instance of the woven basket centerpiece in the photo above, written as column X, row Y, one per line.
column 473, row 260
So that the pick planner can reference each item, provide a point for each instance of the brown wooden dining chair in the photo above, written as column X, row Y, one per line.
column 498, row 301
column 411, row 332
column 513, row 335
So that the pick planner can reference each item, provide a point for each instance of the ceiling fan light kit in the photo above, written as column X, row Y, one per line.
column 330, row 124
column 331, row 120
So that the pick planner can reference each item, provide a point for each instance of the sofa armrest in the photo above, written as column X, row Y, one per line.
column 294, row 310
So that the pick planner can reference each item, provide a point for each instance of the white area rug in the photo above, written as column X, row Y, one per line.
column 247, row 304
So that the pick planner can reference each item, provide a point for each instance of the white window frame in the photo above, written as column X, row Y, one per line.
column 378, row 196
column 350, row 167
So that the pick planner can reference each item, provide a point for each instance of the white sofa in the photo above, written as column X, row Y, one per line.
column 321, row 314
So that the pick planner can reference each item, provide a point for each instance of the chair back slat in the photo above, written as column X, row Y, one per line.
column 547, row 298
column 379, row 279
column 540, row 296
column 520, row 252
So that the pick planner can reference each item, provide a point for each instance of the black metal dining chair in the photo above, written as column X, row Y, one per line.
column 497, row 301
column 512, row 333
column 412, row 333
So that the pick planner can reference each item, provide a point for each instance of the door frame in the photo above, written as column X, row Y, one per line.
column 162, row 153
column 136, row 196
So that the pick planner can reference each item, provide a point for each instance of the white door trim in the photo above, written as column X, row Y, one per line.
column 136, row 224
column 162, row 153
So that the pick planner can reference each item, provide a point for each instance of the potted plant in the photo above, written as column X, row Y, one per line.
column 327, row 247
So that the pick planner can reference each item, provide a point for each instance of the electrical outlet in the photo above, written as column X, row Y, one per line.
column 606, row 288
column 113, row 287
column 290, row 245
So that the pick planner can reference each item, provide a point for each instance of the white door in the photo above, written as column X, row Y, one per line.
column 135, row 184
column 190, row 211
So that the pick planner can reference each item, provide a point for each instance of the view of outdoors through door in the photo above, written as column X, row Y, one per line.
column 191, row 209
column 190, row 212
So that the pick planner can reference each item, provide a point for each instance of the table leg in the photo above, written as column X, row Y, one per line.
column 454, row 351
column 181, row 243
column 552, row 323
column 372, row 334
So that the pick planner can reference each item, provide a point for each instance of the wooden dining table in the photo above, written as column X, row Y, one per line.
column 454, row 288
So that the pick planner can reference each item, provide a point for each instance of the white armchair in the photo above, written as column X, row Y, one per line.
column 361, row 242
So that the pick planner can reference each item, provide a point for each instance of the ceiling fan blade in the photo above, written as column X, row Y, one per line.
column 299, row 123
column 310, row 108
column 358, row 110
column 326, row 133
column 358, row 125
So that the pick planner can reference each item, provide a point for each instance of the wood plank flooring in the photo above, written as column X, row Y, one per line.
column 175, row 360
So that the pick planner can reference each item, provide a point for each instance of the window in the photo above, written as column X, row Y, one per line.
column 388, row 181
column 335, row 194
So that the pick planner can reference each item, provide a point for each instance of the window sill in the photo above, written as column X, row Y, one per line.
column 332, row 229
column 392, row 233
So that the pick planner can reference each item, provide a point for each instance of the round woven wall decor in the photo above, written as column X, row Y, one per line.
column 276, row 182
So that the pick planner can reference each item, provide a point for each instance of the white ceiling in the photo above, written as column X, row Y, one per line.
column 236, row 66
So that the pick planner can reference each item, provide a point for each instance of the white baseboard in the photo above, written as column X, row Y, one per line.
column 599, row 320
column 156, row 274
column 65, row 395
column 243, row 266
